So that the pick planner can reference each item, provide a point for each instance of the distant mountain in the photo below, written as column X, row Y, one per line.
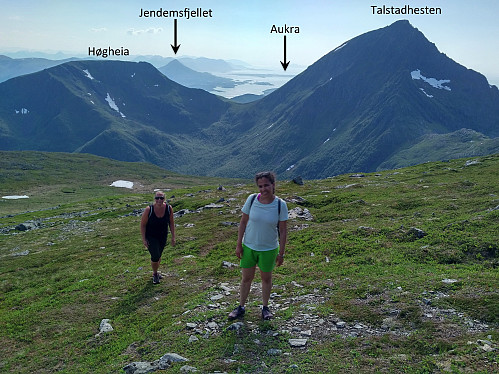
column 357, row 107
column 123, row 110
column 459, row 144
column 207, row 65
column 185, row 76
column 246, row 98
column 155, row 60
column 387, row 98
column 14, row 67
column 10, row 67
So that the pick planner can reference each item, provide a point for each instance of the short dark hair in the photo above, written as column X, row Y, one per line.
column 265, row 174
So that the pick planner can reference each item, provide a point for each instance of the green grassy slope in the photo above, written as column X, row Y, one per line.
column 51, row 179
column 366, row 292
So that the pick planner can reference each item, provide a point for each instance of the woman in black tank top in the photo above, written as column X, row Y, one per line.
column 154, row 229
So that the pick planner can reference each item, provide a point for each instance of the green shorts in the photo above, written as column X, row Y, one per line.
column 264, row 259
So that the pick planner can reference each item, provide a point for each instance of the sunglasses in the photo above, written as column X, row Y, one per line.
column 159, row 197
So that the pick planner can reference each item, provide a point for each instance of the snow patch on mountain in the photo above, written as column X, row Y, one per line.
column 422, row 89
column 416, row 75
column 113, row 105
column 341, row 46
column 122, row 183
column 88, row 75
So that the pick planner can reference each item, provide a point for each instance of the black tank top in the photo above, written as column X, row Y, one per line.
column 158, row 227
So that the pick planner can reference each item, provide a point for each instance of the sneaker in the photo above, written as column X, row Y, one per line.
column 266, row 313
column 237, row 313
column 155, row 279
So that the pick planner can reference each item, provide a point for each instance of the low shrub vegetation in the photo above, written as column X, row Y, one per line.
column 396, row 272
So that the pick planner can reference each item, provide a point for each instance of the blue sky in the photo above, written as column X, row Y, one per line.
column 467, row 31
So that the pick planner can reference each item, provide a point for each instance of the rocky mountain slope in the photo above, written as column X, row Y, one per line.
column 360, row 105
column 356, row 109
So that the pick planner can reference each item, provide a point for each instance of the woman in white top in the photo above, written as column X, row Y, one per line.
column 261, row 240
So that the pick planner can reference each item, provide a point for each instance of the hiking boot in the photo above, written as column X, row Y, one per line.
column 237, row 313
column 266, row 313
column 155, row 279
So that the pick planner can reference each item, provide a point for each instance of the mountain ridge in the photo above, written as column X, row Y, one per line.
column 370, row 111
column 372, row 97
column 188, row 77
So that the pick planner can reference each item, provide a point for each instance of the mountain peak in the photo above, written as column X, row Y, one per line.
column 355, row 109
column 401, row 23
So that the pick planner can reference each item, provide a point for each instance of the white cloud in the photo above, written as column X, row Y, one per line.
column 150, row 30
column 101, row 29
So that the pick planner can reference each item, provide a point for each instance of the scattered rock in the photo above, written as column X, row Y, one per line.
column 306, row 333
column 227, row 223
column 217, row 297
column 236, row 326
column 487, row 348
column 172, row 357
column 471, row 162
column 367, row 228
column 298, row 342
column 214, row 206
column 23, row 253
column 188, row 369
column 357, row 176
column 26, row 226
column 416, row 233
column 140, row 368
column 229, row 265
column 104, row 327
column 193, row 338
column 148, row 367
column 300, row 213
column 449, row 281
column 213, row 325
column 361, row 202
column 295, row 199
column 298, row 180
column 182, row 212
column 341, row 324
column 274, row 352
column 299, row 227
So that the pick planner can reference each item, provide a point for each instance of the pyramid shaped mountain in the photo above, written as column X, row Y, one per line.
column 361, row 104
column 185, row 76
column 375, row 101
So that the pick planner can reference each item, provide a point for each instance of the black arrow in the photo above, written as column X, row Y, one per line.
column 285, row 64
column 175, row 47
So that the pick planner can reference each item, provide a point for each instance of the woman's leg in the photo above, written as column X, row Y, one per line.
column 266, row 286
column 155, row 266
column 246, row 280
